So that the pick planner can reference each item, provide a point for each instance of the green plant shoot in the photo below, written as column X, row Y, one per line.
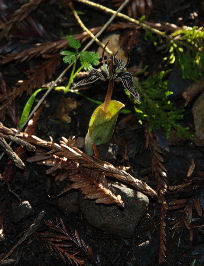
column 86, row 58
column 102, row 124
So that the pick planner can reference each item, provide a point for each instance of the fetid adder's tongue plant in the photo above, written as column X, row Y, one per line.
column 103, row 119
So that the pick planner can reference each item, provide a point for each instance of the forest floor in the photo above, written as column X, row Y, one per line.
column 26, row 194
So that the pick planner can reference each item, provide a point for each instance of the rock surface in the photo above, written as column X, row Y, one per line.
column 198, row 114
column 21, row 211
column 69, row 203
column 112, row 219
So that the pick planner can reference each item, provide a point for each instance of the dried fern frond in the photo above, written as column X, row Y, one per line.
column 39, row 49
column 159, row 171
column 66, row 243
column 92, row 188
column 49, row 48
column 18, row 16
column 71, row 153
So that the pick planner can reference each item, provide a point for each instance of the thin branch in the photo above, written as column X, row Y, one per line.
column 32, row 228
column 88, row 31
column 12, row 155
column 135, row 21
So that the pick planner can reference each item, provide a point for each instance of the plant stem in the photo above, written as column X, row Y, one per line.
column 110, row 88
column 108, row 95
column 135, row 21
column 78, row 70
column 70, row 79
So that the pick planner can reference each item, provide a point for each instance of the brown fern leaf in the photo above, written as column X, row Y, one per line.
column 159, row 170
column 92, row 183
column 19, row 15
column 92, row 188
column 36, row 51
column 36, row 78
column 66, row 243
column 88, row 181
column 108, row 169
column 43, row 49
column 70, row 153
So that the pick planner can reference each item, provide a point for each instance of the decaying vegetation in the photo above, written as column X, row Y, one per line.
column 38, row 54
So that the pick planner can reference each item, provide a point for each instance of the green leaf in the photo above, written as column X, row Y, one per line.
column 73, row 43
column 28, row 106
column 70, row 57
column 101, row 125
column 88, row 59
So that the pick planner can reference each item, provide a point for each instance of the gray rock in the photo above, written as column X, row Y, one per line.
column 198, row 114
column 69, row 202
column 176, row 83
column 112, row 219
column 21, row 211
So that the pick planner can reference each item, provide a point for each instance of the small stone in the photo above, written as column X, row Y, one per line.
column 69, row 203
column 21, row 211
column 112, row 219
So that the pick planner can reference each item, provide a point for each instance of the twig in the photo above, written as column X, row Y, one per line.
column 21, row 142
column 104, row 27
column 135, row 21
column 88, row 31
column 160, row 172
column 33, row 227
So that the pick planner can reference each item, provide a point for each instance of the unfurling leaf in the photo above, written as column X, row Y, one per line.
column 102, row 124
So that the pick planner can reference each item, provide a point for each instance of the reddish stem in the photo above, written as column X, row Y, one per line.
column 110, row 89
column 108, row 95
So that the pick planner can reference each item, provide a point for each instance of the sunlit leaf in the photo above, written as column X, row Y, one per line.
column 101, row 125
column 28, row 106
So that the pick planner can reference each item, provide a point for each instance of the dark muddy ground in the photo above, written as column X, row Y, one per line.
column 184, row 246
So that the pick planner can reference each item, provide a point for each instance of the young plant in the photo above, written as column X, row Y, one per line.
column 103, row 120
column 86, row 58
